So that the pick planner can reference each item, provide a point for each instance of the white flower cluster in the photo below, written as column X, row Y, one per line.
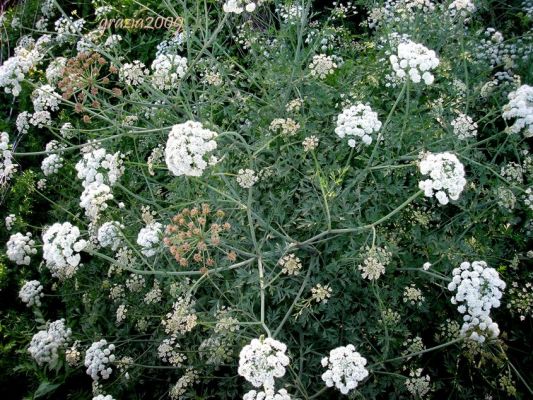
column 290, row 13
column 10, row 221
column 246, row 178
column 263, row 360
column 45, row 344
column 528, row 198
column 462, row 8
column 61, row 248
column 31, row 293
column 187, row 145
column 287, row 126
column 68, row 29
column 20, row 247
column 399, row 11
column 149, row 237
column 109, row 235
column 238, row 6
column 178, row 391
column 446, row 176
column 41, row 119
column 374, row 263
column 45, row 98
column 112, row 41
column 99, row 166
column 480, row 289
column 419, row 386
column 133, row 73
column 520, row 107
column 53, row 162
column 464, row 127
column 94, row 199
column 182, row 318
column 493, row 48
column 7, row 167
column 13, row 70
column 415, row 60
column 66, row 130
column 101, row 396
column 168, row 351
column 167, row 70
column 322, row 66
column 55, row 69
column 97, row 360
column 171, row 45
column 357, row 122
column 22, row 122
column 267, row 394
column 345, row 368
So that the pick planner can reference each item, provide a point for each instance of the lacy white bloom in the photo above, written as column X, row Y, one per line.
column 112, row 41
column 167, row 70
column 41, row 119
column 31, row 293
column 67, row 29
column 180, row 388
column 20, row 247
column 418, row 385
column 310, row 143
column 169, row 352
column 345, row 368
column 238, row 6
column 133, row 73
column 101, row 396
column 528, row 198
column 10, row 221
column 109, row 235
column 447, row 176
column 263, row 360
column 267, row 394
column 45, row 98
column 99, row 166
column 321, row 294
column 187, row 146
column 357, row 122
column 464, row 127
column 415, row 60
column 246, row 178
column 287, row 126
column 94, row 199
column 322, row 66
column 374, row 263
column 55, row 69
column 52, row 162
column 149, row 237
column 22, row 122
column 66, row 130
column 291, row 265
column 45, row 344
column 97, row 360
column 14, row 69
column 61, row 247
column 520, row 108
column 7, row 167
column 480, row 289
column 463, row 8
column 182, row 318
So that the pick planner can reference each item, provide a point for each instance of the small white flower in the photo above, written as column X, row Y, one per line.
column 187, row 146
column 345, row 368
column 263, row 360
column 357, row 121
